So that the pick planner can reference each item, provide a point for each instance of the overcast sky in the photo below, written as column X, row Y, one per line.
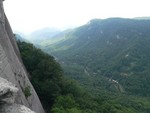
column 29, row 15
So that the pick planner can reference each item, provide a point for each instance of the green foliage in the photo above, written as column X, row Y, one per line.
column 106, row 49
column 99, row 52
column 67, row 102
column 61, row 95
column 27, row 91
column 45, row 73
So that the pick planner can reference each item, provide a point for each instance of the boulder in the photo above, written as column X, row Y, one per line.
column 8, row 93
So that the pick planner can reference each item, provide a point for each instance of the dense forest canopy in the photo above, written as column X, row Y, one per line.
column 61, row 95
column 103, row 68
column 102, row 50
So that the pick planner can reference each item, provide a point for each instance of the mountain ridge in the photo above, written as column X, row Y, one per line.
column 43, row 34
column 115, row 48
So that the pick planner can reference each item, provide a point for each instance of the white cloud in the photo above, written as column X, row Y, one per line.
column 29, row 15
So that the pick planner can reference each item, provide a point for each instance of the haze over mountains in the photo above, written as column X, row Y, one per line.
column 99, row 67
column 113, row 48
column 40, row 35
column 108, row 57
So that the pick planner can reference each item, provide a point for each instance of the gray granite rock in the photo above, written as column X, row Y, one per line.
column 14, row 108
column 12, row 68
column 8, row 92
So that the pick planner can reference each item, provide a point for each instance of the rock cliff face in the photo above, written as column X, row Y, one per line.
column 7, row 98
column 12, row 68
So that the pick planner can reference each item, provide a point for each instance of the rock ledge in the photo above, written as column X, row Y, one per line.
column 8, row 93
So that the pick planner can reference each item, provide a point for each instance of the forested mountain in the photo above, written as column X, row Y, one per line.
column 43, row 34
column 110, row 54
column 61, row 95
column 20, row 38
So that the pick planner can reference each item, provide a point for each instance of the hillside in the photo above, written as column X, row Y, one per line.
column 18, row 37
column 61, row 95
column 43, row 34
column 104, row 51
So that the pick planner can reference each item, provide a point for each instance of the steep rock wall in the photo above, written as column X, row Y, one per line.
column 7, row 99
column 11, row 67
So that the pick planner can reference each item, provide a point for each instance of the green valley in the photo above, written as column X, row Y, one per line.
column 104, row 67
column 104, row 51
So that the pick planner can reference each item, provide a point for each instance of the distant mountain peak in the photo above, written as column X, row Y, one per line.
column 142, row 18
column 43, row 34
column 119, row 46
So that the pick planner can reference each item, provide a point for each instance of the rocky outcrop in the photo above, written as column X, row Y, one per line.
column 12, row 68
column 14, row 108
column 8, row 92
